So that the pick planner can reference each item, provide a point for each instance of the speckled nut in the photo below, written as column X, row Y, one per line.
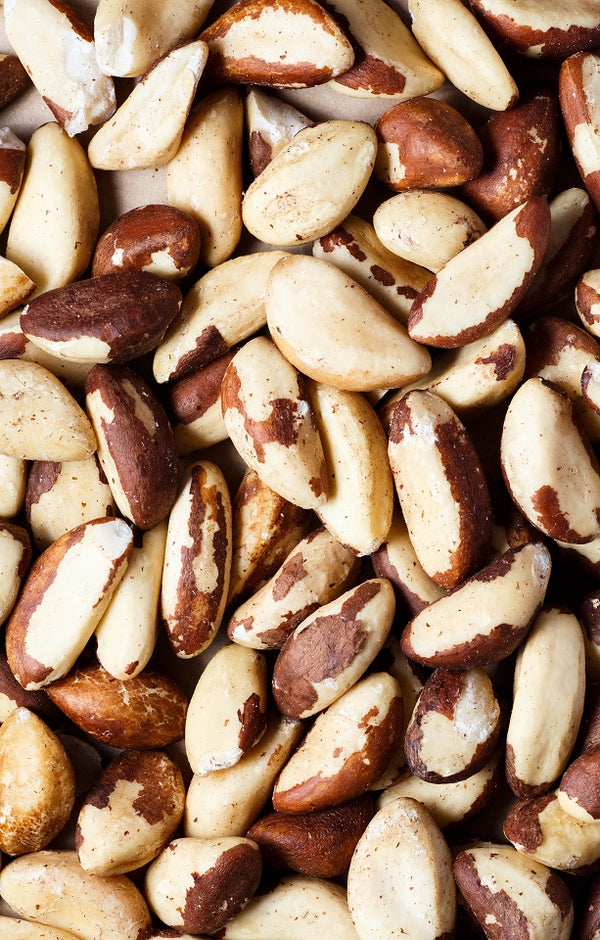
column 541, row 829
column 587, row 300
column 197, row 562
column 15, row 558
column 385, row 886
column 483, row 620
column 270, row 125
column 94, row 556
column 200, row 884
column 130, row 813
column 503, row 889
column 579, row 789
column 227, row 711
column 541, row 30
column 41, row 887
column 12, row 166
column 396, row 560
column 578, row 87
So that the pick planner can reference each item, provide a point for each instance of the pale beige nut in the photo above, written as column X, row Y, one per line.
column 396, row 560
column 454, row 40
column 358, row 346
column 15, row 286
column 55, row 222
column 57, row 49
column 312, row 184
column 541, row 829
column 14, row 928
column 227, row 711
column 12, row 166
column 194, row 405
column 578, row 88
column 130, row 813
column 146, row 129
column 587, row 300
column 502, row 888
column 578, row 791
column 270, row 125
column 388, row 894
column 204, row 178
column 15, row 558
column 544, row 30
column 14, row 473
column 15, row 345
column 127, row 634
column 51, row 888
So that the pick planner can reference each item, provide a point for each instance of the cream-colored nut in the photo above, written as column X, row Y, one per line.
column 578, row 88
column 15, row 345
column 544, row 30
column 541, row 829
column 51, row 888
column 197, row 560
column 204, row 177
column 227, row 711
column 587, row 300
column 13, row 696
column 225, row 306
column 312, row 184
column 426, row 228
column 226, row 802
column 454, row 40
column 579, row 789
column 126, row 635
column 12, row 166
column 194, row 404
column 15, row 558
column 270, row 125
column 92, row 556
column 358, row 346
column 55, row 222
column 14, row 928
column 15, row 286
column 14, row 472
column 396, row 560
column 147, row 128
column 58, row 51
column 388, row 894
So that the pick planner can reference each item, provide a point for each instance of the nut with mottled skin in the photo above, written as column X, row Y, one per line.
column 194, row 405
column 545, row 30
column 579, row 789
column 578, row 89
column 541, row 829
column 587, row 300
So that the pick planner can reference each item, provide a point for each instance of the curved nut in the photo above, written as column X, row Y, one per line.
column 12, row 167
column 396, row 560
column 578, row 87
column 579, row 789
column 541, row 829
column 541, row 30
column 15, row 558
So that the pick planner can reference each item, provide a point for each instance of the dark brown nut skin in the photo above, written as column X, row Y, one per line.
column 541, row 829
column 589, row 729
column 13, row 79
column 513, row 33
column 589, row 926
column 576, row 110
column 140, row 233
column 581, row 782
column 13, row 695
column 319, row 844
column 12, row 161
column 190, row 397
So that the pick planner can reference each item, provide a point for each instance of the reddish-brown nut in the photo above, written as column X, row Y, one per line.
column 587, row 300
column 544, row 30
column 194, row 404
column 541, row 829
column 13, row 78
column 578, row 89
column 579, row 789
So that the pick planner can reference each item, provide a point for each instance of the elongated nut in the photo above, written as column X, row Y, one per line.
column 541, row 30
column 271, row 123
column 14, row 473
column 396, row 560
column 579, row 81
column 541, row 829
column 12, row 167
column 14, row 928
column 579, row 787
column 15, row 558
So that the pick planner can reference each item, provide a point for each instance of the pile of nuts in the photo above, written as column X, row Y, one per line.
column 299, row 491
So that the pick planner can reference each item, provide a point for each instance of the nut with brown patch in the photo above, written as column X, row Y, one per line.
column 578, row 88
column 541, row 829
column 579, row 789
column 14, row 79
column 587, row 300
column 270, row 124
column 15, row 558
column 15, row 286
column 396, row 560
column 194, row 405
column 541, row 30
column 12, row 167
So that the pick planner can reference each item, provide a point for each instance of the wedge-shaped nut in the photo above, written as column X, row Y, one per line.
column 194, row 404
column 15, row 286
column 541, row 829
column 55, row 222
column 312, row 184
column 483, row 284
column 136, row 446
column 483, row 620
column 126, row 635
column 541, row 30
column 200, row 884
column 454, row 40
column 197, row 562
column 37, row 784
column 51, row 888
column 227, row 712
column 14, row 472
column 366, row 725
column 225, row 306
column 40, row 419
column 387, row 889
column 12, row 167
column 539, row 472
column 502, row 888
column 14, row 79
column 358, row 346
column 146, row 130
column 579, row 86
column 587, row 300
column 15, row 558
column 13, row 696
column 66, row 74
column 276, row 42
column 579, row 789
column 131, row 36
column 330, row 650
column 94, row 556
column 396, row 560
column 271, row 123
column 130, row 813
column 145, row 711
column 15, row 345
column 204, row 177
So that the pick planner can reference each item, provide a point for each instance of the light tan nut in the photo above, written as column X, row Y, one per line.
column 12, row 167
column 578, row 88
column 454, row 40
column 320, row 844
column 93, row 556
column 484, row 282
column 388, row 894
column 14, row 472
column 315, row 572
column 66, row 73
column 51, row 888
column 194, row 405
column 270, row 125
column 145, row 711
column 312, row 184
column 37, row 784
column 14, row 79
column 15, row 286
column 396, row 560
column 204, row 178
column 272, row 42
column 541, row 829
column 483, row 620
column 360, row 500
column 345, row 750
column 538, row 470
column 130, row 813
column 587, row 300
column 130, row 36
column 147, row 128
column 502, row 889
column 136, row 447
column 15, row 558
column 55, row 222
column 541, row 30
column 226, row 802
column 15, row 345
column 126, row 635
column 225, row 306
column 197, row 563
column 331, row 649
column 200, row 884
column 358, row 346
column 579, row 789
column 227, row 711
column 14, row 928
